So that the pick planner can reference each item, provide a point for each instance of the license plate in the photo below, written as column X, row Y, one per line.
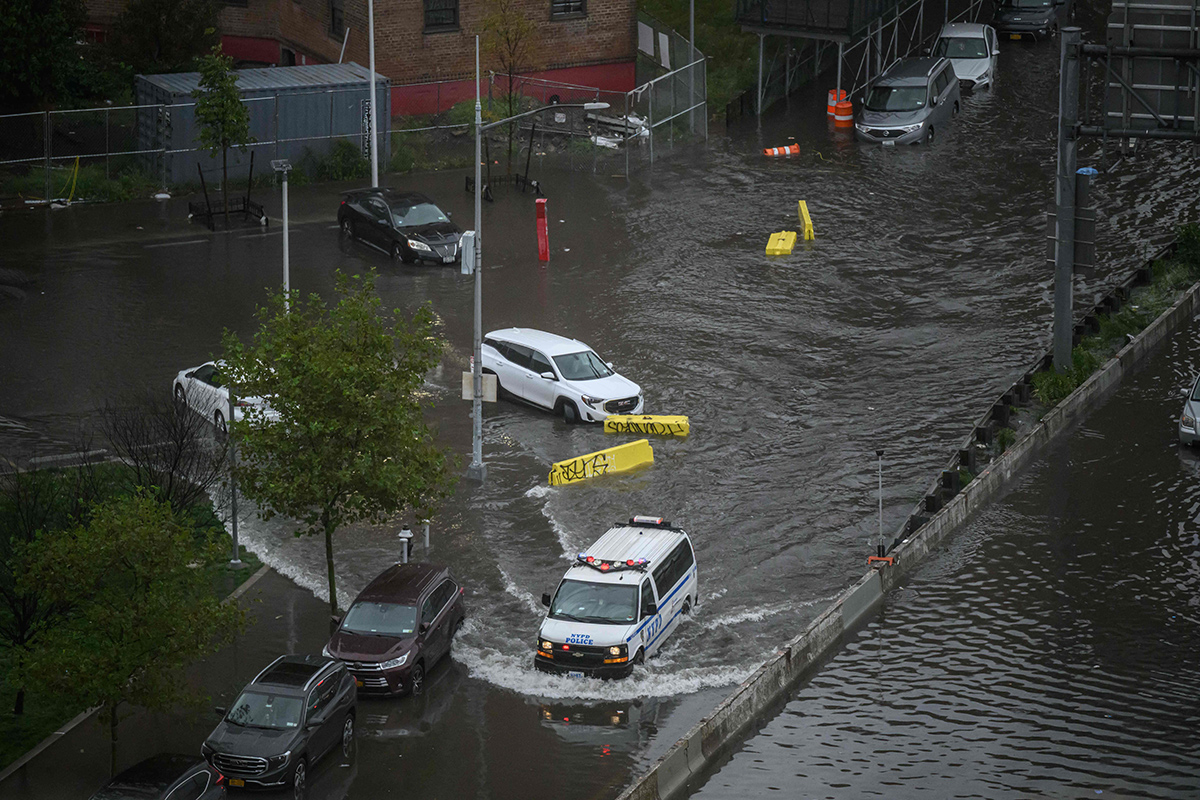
column 888, row 143
column 357, row 682
column 447, row 259
column 236, row 782
column 574, row 674
column 1014, row 36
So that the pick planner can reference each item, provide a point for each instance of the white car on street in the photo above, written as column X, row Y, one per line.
column 972, row 49
column 559, row 374
column 203, row 390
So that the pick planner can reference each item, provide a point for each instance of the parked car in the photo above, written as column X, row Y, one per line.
column 972, row 49
column 202, row 389
column 1036, row 18
column 166, row 776
column 559, row 374
column 619, row 602
column 292, row 714
column 398, row 628
column 406, row 225
column 909, row 102
column 1189, row 430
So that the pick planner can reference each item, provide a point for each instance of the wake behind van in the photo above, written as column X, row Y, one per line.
column 620, row 601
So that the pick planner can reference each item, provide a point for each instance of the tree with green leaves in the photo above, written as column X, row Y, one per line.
column 223, row 118
column 509, row 39
column 38, row 52
column 350, row 442
column 142, row 608
column 153, row 36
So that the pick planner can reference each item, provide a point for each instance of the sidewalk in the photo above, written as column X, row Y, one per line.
column 286, row 619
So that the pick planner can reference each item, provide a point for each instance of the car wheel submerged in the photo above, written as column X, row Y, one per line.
column 219, row 422
column 299, row 776
column 180, row 399
column 348, row 736
column 570, row 413
column 929, row 136
column 348, row 227
column 418, row 681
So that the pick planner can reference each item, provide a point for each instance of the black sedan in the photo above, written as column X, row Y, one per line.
column 406, row 225
column 171, row 776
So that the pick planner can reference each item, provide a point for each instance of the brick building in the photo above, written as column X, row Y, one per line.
column 584, row 42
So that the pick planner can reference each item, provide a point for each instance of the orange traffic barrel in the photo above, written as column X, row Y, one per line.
column 788, row 150
column 835, row 96
column 843, row 116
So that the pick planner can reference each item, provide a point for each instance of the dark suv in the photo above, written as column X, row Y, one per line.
column 294, row 712
column 1036, row 18
column 398, row 627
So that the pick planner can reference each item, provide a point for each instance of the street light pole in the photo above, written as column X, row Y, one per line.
column 371, row 57
column 283, row 166
column 477, row 471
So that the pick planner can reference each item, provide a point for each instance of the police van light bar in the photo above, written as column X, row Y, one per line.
column 638, row 564
column 649, row 522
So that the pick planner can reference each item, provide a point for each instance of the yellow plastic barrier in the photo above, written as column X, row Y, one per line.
column 781, row 243
column 603, row 462
column 656, row 425
column 806, row 221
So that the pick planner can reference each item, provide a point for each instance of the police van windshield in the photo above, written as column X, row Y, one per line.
column 603, row 603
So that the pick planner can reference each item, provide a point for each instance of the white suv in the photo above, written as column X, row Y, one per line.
column 560, row 374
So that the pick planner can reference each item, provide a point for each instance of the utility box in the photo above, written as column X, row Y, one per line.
column 294, row 111
column 467, row 243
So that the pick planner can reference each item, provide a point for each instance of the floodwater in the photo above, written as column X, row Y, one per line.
column 1050, row 650
column 925, row 293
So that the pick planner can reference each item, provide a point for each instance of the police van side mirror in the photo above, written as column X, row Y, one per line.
column 546, row 599
column 651, row 609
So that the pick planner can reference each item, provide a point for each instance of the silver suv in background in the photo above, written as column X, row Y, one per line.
column 909, row 103
column 972, row 49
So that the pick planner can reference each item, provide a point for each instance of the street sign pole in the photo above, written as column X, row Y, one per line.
column 1064, row 197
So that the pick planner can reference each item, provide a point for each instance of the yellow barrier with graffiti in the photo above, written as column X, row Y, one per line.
column 656, row 425
column 603, row 462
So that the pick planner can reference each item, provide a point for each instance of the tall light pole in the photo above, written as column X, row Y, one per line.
column 477, row 471
column 371, row 67
column 283, row 166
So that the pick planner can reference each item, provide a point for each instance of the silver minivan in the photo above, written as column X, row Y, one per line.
column 909, row 103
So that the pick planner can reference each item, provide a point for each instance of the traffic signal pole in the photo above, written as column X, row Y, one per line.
column 1064, row 197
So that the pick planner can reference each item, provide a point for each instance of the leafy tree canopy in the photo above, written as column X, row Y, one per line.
column 351, row 443
column 153, row 36
column 38, row 54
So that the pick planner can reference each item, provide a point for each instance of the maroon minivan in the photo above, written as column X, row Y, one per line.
column 398, row 627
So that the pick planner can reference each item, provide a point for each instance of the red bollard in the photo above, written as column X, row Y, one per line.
column 543, row 232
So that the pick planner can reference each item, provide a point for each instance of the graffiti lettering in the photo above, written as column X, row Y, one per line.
column 578, row 469
column 651, row 428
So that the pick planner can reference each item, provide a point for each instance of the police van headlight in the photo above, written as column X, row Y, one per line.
column 617, row 654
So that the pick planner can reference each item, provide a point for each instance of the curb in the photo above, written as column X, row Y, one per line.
column 68, row 727
column 695, row 753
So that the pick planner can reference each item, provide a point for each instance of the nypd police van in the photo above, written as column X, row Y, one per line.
column 620, row 601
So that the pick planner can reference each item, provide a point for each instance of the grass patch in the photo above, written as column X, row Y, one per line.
column 92, row 183
column 1005, row 438
column 44, row 714
column 1169, row 277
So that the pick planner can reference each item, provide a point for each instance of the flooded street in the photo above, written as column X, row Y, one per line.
column 1050, row 649
column 925, row 293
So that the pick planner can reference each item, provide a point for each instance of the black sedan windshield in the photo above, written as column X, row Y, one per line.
column 261, row 710
column 896, row 98
column 1029, row 3
column 961, row 47
column 418, row 215
column 604, row 603
column 380, row 619
column 585, row 366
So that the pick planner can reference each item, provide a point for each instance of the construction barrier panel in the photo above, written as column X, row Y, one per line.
column 657, row 425
column 843, row 115
column 788, row 150
column 781, row 243
column 806, row 222
column 835, row 97
column 621, row 458
column 543, row 232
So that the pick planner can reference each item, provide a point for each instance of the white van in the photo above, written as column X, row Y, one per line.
column 620, row 601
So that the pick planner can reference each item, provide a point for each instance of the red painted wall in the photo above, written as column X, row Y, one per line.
column 251, row 48
column 432, row 98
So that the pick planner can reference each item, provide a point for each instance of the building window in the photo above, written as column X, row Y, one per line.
column 337, row 18
column 441, row 14
column 568, row 8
